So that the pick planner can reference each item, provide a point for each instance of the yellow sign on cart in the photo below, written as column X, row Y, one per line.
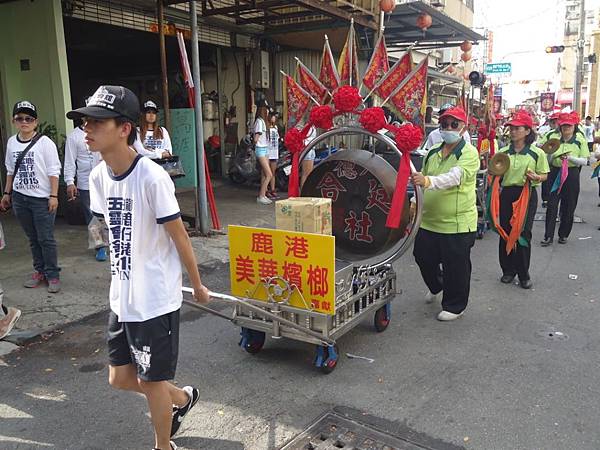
column 305, row 260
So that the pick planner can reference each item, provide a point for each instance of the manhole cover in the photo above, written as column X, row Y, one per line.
column 541, row 217
column 332, row 432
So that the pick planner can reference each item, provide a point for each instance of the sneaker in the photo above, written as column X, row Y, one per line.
column 507, row 279
column 263, row 201
column 546, row 242
column 562, row 240
column 8, row 322
column 526, row 284
column 545, row 204
column 430, row 297
column 36, row 279
column 446, row 316
column 180, row 413
column 273, row 195
column 53, row 285
column 101, row 254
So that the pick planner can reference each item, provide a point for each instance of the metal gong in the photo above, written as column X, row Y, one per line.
column 361, row 185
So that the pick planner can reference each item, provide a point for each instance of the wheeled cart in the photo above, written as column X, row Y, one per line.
column 365, row 281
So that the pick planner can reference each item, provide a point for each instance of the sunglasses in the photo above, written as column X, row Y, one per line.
column 447, row 124
column 26, row 119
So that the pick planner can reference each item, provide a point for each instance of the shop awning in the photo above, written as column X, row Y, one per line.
column 401, row 30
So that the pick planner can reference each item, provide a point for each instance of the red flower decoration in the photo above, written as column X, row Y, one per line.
column 322, row 117
column 294, row 140
column 347, row 99
column 408, row 137
column 372, row 119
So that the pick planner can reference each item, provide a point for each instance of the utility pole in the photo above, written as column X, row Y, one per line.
column 579, row 61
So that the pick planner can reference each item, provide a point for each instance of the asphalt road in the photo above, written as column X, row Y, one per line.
column 501, row 377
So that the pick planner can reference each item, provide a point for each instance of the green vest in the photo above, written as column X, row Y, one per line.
column 453, row 210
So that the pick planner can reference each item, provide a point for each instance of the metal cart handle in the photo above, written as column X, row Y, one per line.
column 261, row 311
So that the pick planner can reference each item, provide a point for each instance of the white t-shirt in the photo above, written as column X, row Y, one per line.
column 79, row 160
column 273, row 143
column 40, row 163
column 145, row 266
column 435, row 138
column 588, row 130
column 164, row 144
column 261, row 127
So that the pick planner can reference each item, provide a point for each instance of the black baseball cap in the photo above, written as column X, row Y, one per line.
column 25, row 107
column 109, row 102
column 150, row 105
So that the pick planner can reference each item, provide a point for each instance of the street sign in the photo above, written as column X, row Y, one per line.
column 498, row 68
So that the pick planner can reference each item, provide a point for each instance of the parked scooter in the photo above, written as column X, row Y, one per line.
column 244, row 167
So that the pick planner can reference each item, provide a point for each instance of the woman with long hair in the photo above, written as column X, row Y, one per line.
column 528, row 164
column 565, row 169
column 261, row 141
column 155, row 139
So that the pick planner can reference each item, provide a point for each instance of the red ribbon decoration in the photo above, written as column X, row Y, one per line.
column 408, row 138
column 294, row 142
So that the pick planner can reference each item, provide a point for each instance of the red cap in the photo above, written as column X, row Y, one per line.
column 554, row 116
column 521, row 119
column 571, row 118
column 456, row 112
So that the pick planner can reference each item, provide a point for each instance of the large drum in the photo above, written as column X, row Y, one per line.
column 361, row 185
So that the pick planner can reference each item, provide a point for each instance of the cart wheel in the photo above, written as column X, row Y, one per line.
column 327, row 358
column 382, row 318
column 252, row 341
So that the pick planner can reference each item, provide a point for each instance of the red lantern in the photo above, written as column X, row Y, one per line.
column 424, row 21
column 466, row 46
column 466, row 56
column 387, row 6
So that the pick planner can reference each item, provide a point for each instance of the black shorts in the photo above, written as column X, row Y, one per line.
column 151, row 345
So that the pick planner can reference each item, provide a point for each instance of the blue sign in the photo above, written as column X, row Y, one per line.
column 498, row 68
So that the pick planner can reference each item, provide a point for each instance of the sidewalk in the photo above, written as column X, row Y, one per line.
column 85, row 281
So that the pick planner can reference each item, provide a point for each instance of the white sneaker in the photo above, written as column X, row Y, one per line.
column 429, row 297
column 263, row 201
column 8, row 321
column 447, row 316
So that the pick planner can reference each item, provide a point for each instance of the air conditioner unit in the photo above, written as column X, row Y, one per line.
column 446, row 57
column 261, row 70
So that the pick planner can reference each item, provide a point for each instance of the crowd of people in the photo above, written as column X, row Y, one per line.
column 552, row 159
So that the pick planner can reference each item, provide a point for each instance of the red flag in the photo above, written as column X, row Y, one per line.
column 328, row 74
column 296, row 101
column 394, row 76
column 410, row 98
column 349, row 58
column 310, row 82
column 378, row 66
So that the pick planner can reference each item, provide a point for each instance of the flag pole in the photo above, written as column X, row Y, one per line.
column 305, row 91
column 350, row 50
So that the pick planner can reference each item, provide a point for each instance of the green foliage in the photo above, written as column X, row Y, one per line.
column 47, row 129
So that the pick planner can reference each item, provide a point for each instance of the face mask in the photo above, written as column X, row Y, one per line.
column 450, row 137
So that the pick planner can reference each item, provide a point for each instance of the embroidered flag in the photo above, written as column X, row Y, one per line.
column 328, row 75
column 561, row 177
column 378, row 66
column 394, row 76
column 310, row 82
column 349, row 58
column 295, row 101
column 410, row 98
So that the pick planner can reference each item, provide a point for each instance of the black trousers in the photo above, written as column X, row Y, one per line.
column 568, row 202
column 546, row 186
column 453, row 252
column 598, row 186
column 517, row 263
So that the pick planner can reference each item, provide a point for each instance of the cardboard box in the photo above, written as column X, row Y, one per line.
column 304, row 214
